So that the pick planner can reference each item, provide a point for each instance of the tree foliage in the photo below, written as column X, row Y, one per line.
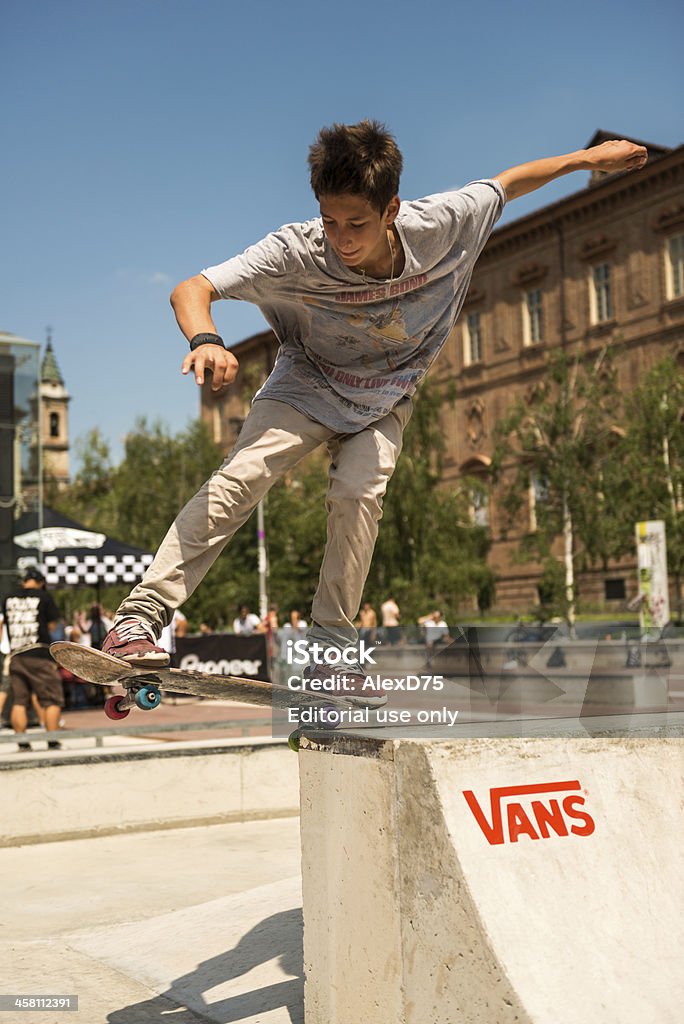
column 559, row 445
column 428, row 554
column 602, row 462
column 649, row 475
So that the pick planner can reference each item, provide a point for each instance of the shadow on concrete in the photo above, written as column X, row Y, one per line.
column 278, row 937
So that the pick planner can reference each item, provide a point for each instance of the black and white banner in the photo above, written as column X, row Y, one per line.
column 224, row 654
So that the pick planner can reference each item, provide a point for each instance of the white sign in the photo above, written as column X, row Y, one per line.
column 52, row 538
column 652, row 567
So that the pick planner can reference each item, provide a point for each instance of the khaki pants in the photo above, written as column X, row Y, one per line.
column 274, row 438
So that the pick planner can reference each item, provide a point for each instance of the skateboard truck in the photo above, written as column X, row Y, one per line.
column 139, row 694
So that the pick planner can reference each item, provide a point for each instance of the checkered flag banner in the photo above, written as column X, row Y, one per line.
column 71, row 555
column 89, row 570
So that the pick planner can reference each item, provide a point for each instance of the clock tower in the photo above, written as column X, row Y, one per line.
column 54, row 418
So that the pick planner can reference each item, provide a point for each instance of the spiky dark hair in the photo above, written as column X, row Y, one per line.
column 356, row 159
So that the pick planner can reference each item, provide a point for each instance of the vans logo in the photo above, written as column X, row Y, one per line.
column 537, row 818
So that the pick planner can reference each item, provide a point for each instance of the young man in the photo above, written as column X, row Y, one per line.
column 435, row 627
column 361, row 299
column 30, row 616
column 247, row 623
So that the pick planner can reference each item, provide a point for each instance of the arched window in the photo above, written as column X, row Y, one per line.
column 54, row 424
column 538, row 496
column 476, row 474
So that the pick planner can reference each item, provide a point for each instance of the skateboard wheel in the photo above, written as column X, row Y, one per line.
column 293, row 741
column 111, row 709
column 329, row 716
column 148, row 697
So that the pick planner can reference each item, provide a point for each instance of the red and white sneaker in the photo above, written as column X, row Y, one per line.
column 133, row 641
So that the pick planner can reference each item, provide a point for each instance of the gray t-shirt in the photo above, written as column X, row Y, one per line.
column 350, row 348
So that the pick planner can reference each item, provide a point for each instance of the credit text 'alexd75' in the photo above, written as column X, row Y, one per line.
column 341, row 684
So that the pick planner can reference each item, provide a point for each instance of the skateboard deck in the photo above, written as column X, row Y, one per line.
column 143, row 684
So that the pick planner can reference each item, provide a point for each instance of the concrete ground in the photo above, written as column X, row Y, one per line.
column 206, row 925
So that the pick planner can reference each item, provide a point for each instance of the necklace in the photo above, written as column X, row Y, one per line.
column 391, row 249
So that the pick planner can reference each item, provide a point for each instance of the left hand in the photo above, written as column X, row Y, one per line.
column 616, row 155
column 213, row 359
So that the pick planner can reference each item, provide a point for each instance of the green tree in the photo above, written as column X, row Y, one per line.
column 296, row 519
column 136, row 501
column 88, row 492
column 649, row 475
column 428, row 553
column 157, row 476
column 560, row 446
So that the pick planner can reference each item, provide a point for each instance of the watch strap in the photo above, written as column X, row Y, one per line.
column 206, row 339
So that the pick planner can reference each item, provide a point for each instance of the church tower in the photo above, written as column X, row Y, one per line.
column 54, row 419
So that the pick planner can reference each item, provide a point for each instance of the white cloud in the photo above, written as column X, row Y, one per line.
column 159, row 277
column 137, row 277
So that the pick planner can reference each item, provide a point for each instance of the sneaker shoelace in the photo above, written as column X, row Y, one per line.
column 130, row 629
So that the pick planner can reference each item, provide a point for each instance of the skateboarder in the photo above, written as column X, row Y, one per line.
column 361, row 298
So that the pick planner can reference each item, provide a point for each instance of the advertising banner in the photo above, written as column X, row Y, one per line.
column 224, row 654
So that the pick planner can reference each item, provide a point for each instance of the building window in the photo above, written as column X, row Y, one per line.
column 602, row 294
column 473, row 339
column 538, row 496
column 479, row 505
column 533, row 332
column 54, row 424
column 615, row 590
column 475, row 483
column 675, row 267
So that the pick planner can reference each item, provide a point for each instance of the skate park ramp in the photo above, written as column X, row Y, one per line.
column 495, row 879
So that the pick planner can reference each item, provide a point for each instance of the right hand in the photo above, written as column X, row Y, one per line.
column 219, row 362
column 617, row 155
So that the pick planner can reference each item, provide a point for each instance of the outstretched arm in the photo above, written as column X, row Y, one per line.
column 616, row 155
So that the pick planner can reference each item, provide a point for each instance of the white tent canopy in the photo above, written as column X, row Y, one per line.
column 71, row 555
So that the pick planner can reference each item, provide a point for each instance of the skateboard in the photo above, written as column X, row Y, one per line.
column 143, row 686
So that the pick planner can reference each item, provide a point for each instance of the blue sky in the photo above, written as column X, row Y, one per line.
column 145, row 140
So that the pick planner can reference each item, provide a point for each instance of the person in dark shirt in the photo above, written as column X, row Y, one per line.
column 30, row 614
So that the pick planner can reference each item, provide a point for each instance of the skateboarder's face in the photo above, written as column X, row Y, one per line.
column 357, row 231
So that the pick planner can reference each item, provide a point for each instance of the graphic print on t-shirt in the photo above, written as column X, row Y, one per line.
column 23, row 620
column 351, row 349
column 27, row 616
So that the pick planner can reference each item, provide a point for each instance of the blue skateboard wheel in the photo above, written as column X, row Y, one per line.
column 329, row 716
column 148, row 697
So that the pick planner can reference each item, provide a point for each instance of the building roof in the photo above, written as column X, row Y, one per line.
column 654, row 151
column 49, row 371
column 600, row 136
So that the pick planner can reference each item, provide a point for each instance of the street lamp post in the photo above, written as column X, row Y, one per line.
column 262, row 562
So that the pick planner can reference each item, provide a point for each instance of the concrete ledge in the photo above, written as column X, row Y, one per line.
column 125, row 749
column 436, row 890
column 70, row 797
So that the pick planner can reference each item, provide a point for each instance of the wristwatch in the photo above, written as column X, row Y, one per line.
column 206, row 339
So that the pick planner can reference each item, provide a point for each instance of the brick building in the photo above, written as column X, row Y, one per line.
column 604, row 264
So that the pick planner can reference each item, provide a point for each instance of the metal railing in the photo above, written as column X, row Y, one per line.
column 243, row 725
